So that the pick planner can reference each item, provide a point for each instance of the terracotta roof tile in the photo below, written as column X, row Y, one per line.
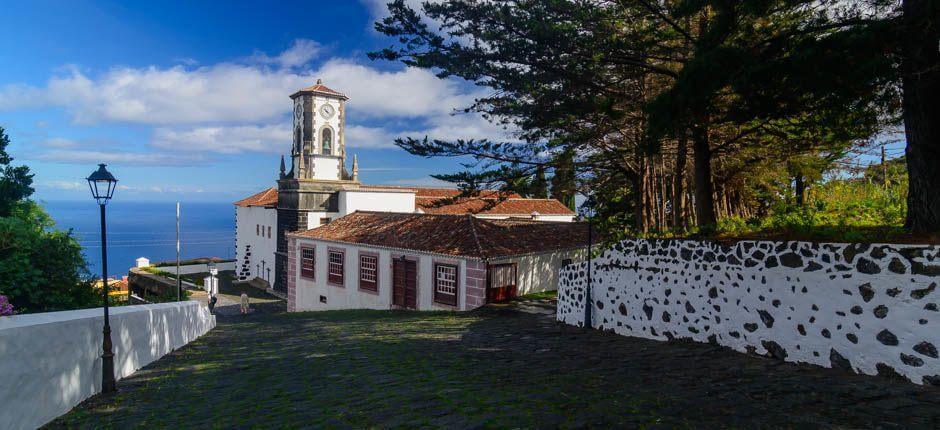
column 457, row 235
column 445, row 201
column 493, row 206
column 321, row 89
column 266, row 198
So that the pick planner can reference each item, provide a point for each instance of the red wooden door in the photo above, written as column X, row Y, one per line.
column 502, row 282
column 404, row 284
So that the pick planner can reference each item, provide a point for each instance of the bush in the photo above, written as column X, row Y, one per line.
column 42, row 269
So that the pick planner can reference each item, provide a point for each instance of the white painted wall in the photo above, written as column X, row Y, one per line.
column 324, row 167
column 313, row 218
column 188, row 269
column 875, row 307
column 262, row 246
column 349, row 296
column 381, row 201
column 51, row 361
column 539, row 272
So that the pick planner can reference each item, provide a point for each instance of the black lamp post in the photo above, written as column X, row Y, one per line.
column 102, row 184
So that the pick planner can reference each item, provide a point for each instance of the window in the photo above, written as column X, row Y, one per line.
column 335, row 267
column 368, row 272
column 307, row 262
column 325, row 221
column 445, row 284
column 269, row 232
column 257, row 229
column 327, row 141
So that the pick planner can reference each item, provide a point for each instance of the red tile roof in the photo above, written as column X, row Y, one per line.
column 493, row 206
column 457, row 235
column 266, row 198
column 321, row 89
column 445, row 201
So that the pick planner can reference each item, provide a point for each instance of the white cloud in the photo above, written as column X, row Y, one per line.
column 69, row 156
column 243, row 107
column 58, row 142
column 225, row 140
column 64, row 185
column 409, row 92
column 299, row 54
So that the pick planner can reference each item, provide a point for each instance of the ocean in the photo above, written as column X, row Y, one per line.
column 147, row 229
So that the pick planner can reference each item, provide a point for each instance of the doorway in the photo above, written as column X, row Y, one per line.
column 405, row 283
column 501, row 285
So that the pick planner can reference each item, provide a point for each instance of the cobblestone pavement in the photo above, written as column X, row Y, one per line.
column 498, row 367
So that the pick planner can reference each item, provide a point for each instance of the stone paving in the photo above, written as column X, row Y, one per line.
column 493, row 368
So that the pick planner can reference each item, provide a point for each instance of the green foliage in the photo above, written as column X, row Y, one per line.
column 15, row 182
column 42, row 269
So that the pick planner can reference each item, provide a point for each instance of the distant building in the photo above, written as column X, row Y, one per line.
column 382, row 260
column 318, row 188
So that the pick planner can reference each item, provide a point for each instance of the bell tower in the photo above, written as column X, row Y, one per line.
column 319, row 140
column 309, row 191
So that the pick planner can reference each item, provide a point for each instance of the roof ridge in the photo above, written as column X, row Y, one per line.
column 476, row 237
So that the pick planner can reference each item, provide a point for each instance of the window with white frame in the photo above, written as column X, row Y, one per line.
column 307, row 262
column 445, row 284
column 335, row 267
column 368, row 272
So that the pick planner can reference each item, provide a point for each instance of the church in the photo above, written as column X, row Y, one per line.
column 319, row 188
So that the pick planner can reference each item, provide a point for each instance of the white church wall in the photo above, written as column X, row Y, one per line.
column 327, row 168
column 539, row 272
column 386, row 201
column 252, row 236
column 867, row 308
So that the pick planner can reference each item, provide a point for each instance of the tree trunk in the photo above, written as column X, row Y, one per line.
column 921, row 84
column 704, row 200
column 799, row 189
column 678, row 193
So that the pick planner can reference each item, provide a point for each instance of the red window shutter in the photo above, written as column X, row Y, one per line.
column 446, row 285
column 368, row 272
column 307, row 262
column 335, row 267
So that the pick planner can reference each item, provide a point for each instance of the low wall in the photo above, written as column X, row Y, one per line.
column 50, row 362
column 189, row 269
column 870, row 309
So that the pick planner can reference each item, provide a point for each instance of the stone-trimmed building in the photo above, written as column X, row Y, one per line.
column 318, row 188
column 383, row 260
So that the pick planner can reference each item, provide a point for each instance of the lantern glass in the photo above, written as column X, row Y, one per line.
column 102, row 184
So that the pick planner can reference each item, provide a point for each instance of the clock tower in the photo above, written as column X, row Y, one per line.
column 319, row 142
column 308, row 194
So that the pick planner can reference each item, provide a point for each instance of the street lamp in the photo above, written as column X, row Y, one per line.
column 102, row 184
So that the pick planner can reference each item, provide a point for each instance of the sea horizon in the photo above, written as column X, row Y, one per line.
column 146, row 229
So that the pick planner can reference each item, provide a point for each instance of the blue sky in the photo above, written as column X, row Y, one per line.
column 188, row 100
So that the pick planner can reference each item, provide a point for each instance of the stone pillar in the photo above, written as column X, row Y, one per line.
column 475, row 285
column 288, row 220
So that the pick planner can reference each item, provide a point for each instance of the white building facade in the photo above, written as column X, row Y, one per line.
column 363, row 261
column 318, row 188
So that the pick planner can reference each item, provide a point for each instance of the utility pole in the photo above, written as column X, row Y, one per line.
column 884, row 168
column 179, row 278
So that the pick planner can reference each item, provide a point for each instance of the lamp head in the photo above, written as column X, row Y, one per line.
column 102, row 184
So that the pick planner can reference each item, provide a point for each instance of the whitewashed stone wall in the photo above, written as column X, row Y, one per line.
column 50, row 362
column 867, row 308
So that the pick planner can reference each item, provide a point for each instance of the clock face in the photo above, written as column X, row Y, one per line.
column 327, row 111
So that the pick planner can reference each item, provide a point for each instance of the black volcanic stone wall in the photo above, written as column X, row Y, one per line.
column 864, row 308
column 287, row 221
